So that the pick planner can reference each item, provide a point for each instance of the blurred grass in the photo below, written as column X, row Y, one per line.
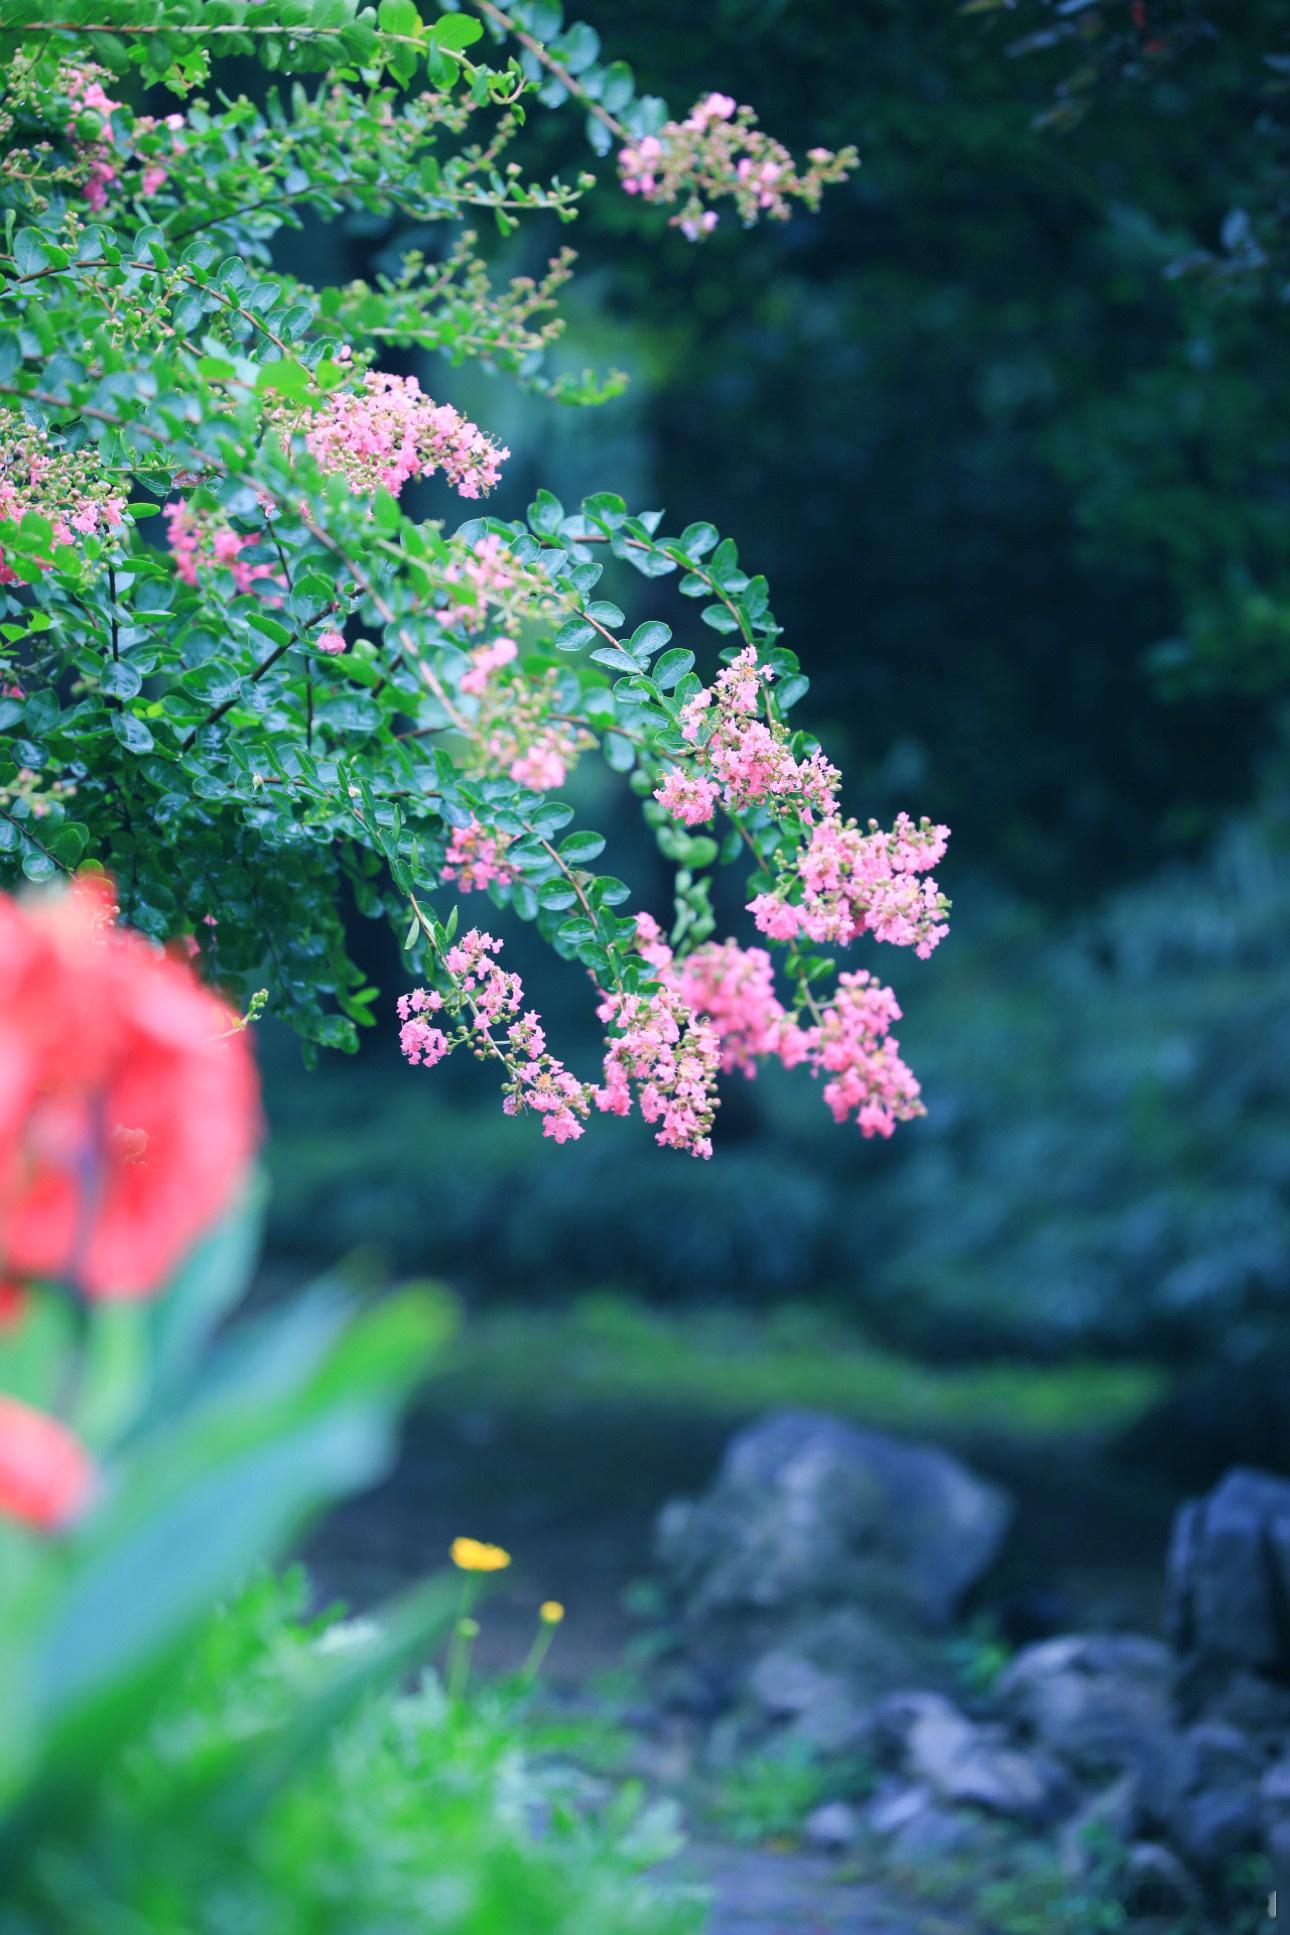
column 606, row 1351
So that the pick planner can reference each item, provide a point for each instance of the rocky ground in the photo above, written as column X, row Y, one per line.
column 803, row 1683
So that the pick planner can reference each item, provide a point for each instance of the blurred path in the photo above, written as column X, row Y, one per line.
column 763, row 1893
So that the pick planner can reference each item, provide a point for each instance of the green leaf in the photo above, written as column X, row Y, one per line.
column 698, row 539
column 41, row 712
column 578, row 849
column 671, row 668
column 578, row 48
column 720, row 619
column 285, row 378
column 134, row 735
column 605, row 614
column 29, row 251
column 618, row 87
column 454, row 32
column 546, row 514
column 37, row 865
column 649, row 637
column 298, row 1412
column 615, row 656
column 399, row 17
column 120, row 680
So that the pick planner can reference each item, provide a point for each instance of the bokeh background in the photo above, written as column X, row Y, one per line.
column 1006, row 426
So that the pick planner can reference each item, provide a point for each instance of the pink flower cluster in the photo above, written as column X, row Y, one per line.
column 103, row 161
column 670, row 1057
column 515, row 731
column 719, row 152
column 868, row 1080
column 845, row 883
column 475, row 856
column 419, row 1040
column 518, row 735
column 387, row 430
column 847, row 1040
column 66, row 487
column 200, row 541
column 544, row 763
column 735, row 987
column 741, row 758
column 84, row 92
column 688, row 797
column 484, row 661
column 483, row 573
column 485, row 1002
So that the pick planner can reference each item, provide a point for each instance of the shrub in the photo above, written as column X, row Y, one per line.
column 303, row 692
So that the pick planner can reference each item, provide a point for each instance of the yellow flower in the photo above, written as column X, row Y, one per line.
column 473, row 1555
column 550, row 1612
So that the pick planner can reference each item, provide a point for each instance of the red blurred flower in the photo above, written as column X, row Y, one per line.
column 46, row 1476
column 128, row 1111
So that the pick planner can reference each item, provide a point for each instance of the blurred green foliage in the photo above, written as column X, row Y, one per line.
column 768, row 1796
column 1024, row 402
column 611, row 1351
column 394, row 1810
column 1105, row 1164
column 1022, row 385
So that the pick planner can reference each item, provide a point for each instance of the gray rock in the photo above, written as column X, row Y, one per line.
column 966, row 1764
column 1246, row 1701
column 1229, row 1574
column 1204, row 1793
column 916, row 1826
column 894, row 1806
column 1099, row 1702
column 821, row 1707
column 784, row 1683
column 809, row 1511
column 833, row 1825
column 1154, row 1882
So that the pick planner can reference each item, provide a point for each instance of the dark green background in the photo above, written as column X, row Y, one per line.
column 1006, row 427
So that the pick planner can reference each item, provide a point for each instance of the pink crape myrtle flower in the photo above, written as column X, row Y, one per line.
column 484, row 661
column 868, row 1081
column 748, row 761
column 542, row 766
column 387, row 430
column 718, row 152
column 670, row 1057
column 67, row 487
column 479, row 575
column 201, row 541
column 688, row 797
column 845, row 883
column 846, row 1043
column 474, row 857
column 485, row 1002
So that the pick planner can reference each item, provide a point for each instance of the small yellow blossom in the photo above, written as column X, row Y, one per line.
column 550, row 1612
column 473, row 1555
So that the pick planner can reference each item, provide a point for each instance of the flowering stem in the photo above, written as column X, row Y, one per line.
column 537, row 1654
column 484, row 1033
column 463, row 1634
